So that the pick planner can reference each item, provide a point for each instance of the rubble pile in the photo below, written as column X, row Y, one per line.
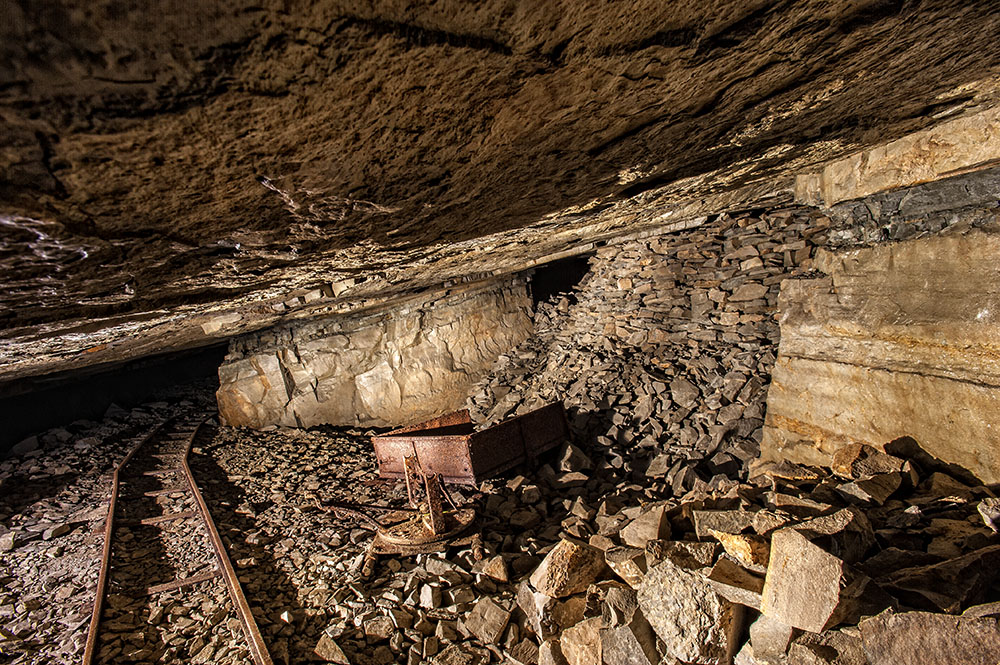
column 880, row 560
column 581, row 566
column 664, row 358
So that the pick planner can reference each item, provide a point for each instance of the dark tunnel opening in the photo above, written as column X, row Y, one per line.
column 34, row 405
column 558, row 277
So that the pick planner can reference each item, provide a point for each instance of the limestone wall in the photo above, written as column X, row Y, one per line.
column 388, row 368
column 900, row 339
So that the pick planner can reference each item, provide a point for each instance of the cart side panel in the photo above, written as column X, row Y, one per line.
column 447, row 456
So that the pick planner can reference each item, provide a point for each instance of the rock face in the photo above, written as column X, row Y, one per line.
column 389, row 369
column 898, row 340
column 952, row 147
column 214, row 160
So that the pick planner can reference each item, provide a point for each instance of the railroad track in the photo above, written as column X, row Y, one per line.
column 167, row 591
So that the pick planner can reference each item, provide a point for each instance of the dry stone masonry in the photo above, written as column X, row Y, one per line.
column 663, row 351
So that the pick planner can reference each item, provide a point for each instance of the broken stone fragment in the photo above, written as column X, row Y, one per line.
column 25, row 446
column 601, row 542
column 550, row 653
column 831, row 647
column 846, row 533
column 574, row 459
column 631, row 644
column 695, row 623
column 812, row 589
column 746, row 656
column 872, row 489
column 487, row 620
column 859, row 460
column 767, row 521
column 430, row 597
column 55, row 531
column 989, row 510
column 750, row 551
column 455, row 655
column 949, row 585
column 771, row 639
column 660, row 465
column 683, row 392
column 726, row 521
column 619, row 606
column 684, row 553
column 748, row 291
column 581, row 644
column 329, row 651
column 547, row 616
column 524, row 652
column 569, row 568
column 735, row 583
column 628, row 563
column 8, row 541
column 378, row 629
column 783, row 470
column 937, row 486
column 920, row 638
column 954, row 537
column 651, row 524
column 493, row 567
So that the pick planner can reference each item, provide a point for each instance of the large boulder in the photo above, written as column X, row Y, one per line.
column 809, row 588
column 569, row 568
column 695, row 623
column 921, row 638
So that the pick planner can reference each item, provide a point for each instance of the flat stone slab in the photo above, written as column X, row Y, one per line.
column 918, row 638
column 695, row 623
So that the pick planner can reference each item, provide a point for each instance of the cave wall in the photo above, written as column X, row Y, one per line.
column 387, row 368
column 896, row 340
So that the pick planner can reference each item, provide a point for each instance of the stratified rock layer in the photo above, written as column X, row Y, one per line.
column 898, row 340
column 175, row 173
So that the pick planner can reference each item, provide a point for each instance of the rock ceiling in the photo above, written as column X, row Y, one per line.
column 173, row 176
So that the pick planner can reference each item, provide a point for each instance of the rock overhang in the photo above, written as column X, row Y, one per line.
column 165, row 174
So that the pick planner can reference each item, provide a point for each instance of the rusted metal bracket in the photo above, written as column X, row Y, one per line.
column 428, row 527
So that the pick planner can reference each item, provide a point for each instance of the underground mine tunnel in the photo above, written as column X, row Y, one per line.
column 651, row 333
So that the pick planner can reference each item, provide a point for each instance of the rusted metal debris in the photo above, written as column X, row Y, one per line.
column 450, row 447
column 426, row 526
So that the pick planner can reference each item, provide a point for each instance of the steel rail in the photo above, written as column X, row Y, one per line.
column 225, row 567
column 109, row 526
column 256, row 642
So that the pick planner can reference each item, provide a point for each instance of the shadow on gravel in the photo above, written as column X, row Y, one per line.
column 20, row 491
column 268, row 589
